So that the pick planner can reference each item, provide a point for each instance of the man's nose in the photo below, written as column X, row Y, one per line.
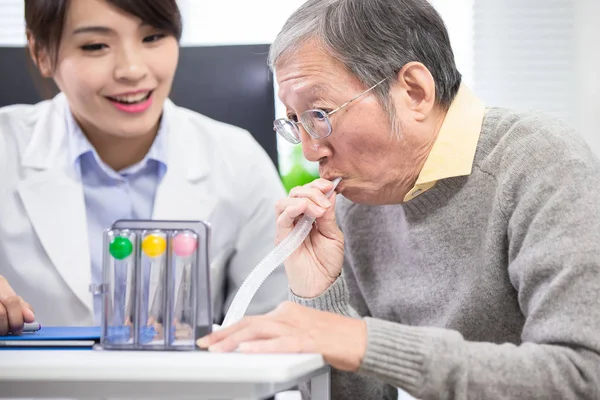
column 314, row 150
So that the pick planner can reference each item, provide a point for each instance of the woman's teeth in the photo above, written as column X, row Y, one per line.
column 131, row 99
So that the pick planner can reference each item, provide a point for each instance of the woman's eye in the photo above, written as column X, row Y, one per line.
column 93, row 47
column 292, row 117
column 154, row 38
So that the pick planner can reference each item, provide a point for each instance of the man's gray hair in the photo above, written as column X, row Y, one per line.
column 374, row 39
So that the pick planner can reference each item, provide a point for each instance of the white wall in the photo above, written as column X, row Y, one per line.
column 12, row 23
column 525, row 55
column 541, row 54
column 588, row 60
column 234, row 21
column 458, row 17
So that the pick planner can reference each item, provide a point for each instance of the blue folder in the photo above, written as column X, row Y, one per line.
column 54, row 337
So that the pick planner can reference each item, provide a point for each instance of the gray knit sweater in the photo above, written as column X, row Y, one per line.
column 486, row 286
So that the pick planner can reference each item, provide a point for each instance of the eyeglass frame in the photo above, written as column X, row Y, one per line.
column 294, row 124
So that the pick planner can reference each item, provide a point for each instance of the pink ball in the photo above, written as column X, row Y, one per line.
column 184, row 244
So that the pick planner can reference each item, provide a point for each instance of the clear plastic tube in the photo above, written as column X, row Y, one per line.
column 274, row 259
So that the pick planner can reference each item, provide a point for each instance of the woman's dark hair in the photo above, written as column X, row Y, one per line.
column 45, row 19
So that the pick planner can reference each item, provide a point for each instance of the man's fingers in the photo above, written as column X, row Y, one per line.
column 284, row 344
column 266, row 329
column 322, row 184
column 285, row 204
column 311, row 193
column 309, row 200
column 295, row 208
column 221, row 334
column 327, row 224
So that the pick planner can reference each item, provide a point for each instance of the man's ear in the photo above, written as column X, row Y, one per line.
column 419, row 88
column 40, row 57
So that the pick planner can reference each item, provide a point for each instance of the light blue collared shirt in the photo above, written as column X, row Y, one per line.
column 111, row 195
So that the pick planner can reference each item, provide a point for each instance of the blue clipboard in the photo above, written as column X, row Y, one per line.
column 54, row 337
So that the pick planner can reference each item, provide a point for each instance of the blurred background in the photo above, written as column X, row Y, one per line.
column 539, row 54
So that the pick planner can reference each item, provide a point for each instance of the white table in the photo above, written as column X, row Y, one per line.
column 168, row 375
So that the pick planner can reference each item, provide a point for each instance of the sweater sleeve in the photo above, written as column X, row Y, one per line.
column 346, row 385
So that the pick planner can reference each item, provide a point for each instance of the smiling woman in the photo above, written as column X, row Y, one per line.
column 115, row 62
column 111, row 145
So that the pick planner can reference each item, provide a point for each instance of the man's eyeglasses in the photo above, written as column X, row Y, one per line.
column 316, row 122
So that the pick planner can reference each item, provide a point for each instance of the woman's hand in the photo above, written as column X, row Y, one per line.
column 14, row 311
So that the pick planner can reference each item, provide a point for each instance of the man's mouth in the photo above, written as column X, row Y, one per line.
column 131, row 98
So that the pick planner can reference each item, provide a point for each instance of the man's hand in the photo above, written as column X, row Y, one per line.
column 292, row 328
column 317, row 262
column 14, row 311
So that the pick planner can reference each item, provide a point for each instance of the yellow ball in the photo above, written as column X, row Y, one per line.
column 154, row 245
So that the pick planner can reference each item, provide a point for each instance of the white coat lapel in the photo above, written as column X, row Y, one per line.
column 53, row 198
column 184, row 193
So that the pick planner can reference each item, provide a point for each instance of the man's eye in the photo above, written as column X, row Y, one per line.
column 321, row 115
column 154, row 38
column 318, row 114
column 93, row 47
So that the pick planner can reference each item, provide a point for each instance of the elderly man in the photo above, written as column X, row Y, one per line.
column 469, row 264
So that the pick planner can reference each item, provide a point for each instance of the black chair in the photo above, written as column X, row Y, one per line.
column 232, row 84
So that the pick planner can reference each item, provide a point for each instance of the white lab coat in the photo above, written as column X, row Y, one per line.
column 216, row 172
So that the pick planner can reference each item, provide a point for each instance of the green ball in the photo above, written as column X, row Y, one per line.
column 120, row 248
